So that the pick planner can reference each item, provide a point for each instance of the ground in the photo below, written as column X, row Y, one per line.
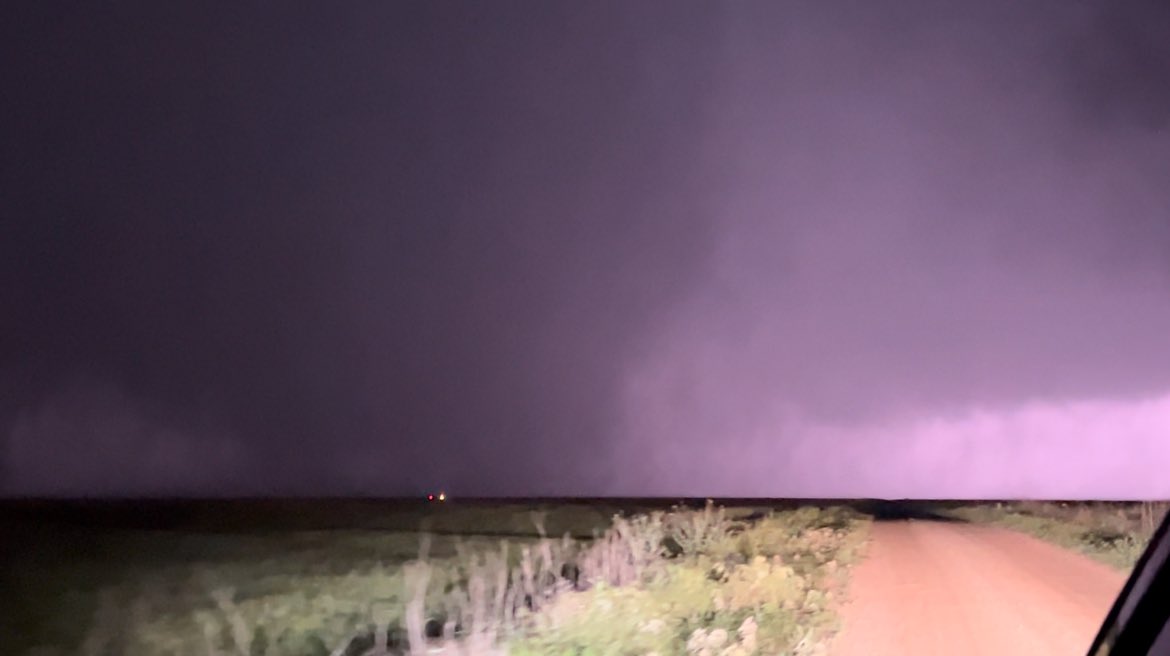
column 766, row 577
column 935, row 587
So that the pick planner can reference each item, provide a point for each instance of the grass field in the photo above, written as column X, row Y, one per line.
column 349, row 577
column 352, row 577
column 1115, row 533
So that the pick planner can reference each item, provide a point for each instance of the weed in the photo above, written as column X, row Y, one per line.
column 1113, row 533
column 648, row 582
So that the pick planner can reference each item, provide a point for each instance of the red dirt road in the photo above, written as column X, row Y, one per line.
column 962, row 589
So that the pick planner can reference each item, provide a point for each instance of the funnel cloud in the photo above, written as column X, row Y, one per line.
column 637, row 248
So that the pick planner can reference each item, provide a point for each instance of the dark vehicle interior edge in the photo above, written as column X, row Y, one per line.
column 1137, row 622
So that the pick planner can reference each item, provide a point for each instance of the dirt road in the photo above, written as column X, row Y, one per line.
column 960, row 589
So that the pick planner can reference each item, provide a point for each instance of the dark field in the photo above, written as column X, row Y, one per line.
column 309, row 574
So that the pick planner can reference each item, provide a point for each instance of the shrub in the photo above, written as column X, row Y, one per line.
column 748, row 585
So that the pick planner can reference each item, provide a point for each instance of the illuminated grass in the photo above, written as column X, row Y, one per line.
column 57, row 576
column 762, row 587
column 648, row 581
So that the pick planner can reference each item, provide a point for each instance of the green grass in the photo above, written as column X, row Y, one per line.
column 212, row 587
column 1113, row 533
column 56, row 575
column 768, row 587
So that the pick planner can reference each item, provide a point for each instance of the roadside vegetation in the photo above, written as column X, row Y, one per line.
column 757, row 584
column 485, row 580
column 89, row 578
column 1115, row 533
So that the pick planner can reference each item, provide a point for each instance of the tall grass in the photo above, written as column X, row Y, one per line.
column 1110, row 532
column 651, row 582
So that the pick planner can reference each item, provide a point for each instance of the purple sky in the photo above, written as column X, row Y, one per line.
column 545, row 248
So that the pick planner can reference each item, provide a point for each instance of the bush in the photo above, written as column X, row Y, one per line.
column 748, row 585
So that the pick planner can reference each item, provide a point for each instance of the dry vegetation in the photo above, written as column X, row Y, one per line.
column 1114, row 533
column 710, row 581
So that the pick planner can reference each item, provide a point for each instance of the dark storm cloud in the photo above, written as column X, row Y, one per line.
column 658, row 248
column 54, row 448
column 1119, row 64
column 940, row 217
column 395, row 245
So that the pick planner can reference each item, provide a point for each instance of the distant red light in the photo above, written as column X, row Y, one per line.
column 430, row 497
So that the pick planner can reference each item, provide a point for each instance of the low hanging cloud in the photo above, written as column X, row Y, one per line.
column 1095, row 449
column 92, row 438
column 1111, row 449
column 1106, row 449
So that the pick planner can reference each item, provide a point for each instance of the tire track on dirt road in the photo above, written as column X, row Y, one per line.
column 928, row 587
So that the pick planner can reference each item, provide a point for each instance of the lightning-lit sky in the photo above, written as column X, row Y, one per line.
column 822, row 248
